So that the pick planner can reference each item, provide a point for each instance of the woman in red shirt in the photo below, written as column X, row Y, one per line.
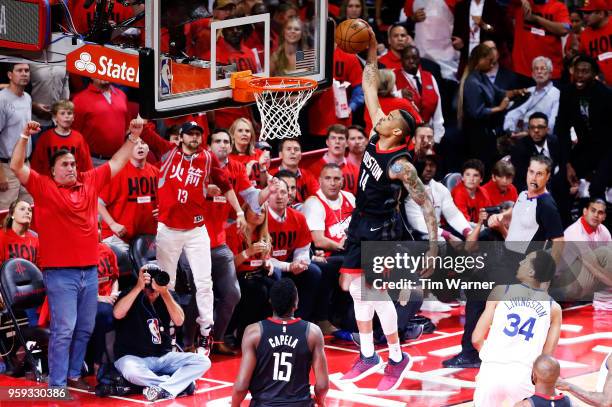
column 17, row 241
column 255, row 272
column 256, row 161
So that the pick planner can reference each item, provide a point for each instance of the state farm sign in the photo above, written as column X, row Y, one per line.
column 96, row 61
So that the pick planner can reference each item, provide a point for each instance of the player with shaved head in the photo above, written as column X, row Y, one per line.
column 545, row 373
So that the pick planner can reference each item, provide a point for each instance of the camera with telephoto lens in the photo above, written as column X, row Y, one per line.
column 160, row 276
column 492, row 210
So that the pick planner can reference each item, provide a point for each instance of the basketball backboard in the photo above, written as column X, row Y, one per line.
column 192, row 47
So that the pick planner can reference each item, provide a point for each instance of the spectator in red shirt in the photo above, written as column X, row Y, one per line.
column 62, row 136
column 399, row 39
column 101, row 115
column 256, row 161
column 186, row 172
column 538, row 28
column 128, row 205
column 255, row 272
column 357, row 141
column 336, row 150
column 290, row 153
column 596, row 39
column 468, row 195
column 291, row 250
column 66, row 209
column 322, row 112
column 500, row 188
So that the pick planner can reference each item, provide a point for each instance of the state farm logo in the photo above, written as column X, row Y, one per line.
column 85, row 64
column 106, row 63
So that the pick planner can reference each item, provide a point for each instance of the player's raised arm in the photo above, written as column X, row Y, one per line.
column 369, row 82
column 250, row 340
column 22, row 171
column 319, row 364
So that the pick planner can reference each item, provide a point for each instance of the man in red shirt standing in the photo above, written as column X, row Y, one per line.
column 336, row 142
column 596, row 39
column 128, row 205
column 186, row 172
column 67, row 219
column 101, row 115
column 290, row 153
column 538, row 28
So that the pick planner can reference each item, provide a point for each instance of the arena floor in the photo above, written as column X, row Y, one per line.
column 586, row 338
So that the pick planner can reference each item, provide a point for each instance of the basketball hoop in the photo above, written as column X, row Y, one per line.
column 279, row 101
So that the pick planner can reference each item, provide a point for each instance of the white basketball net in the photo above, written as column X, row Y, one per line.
column 280, row 109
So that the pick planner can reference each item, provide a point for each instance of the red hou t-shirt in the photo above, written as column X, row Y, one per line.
column 495, row 195
column 49, row 142
column 130, row 199
column 183, row 181
column 237, row 243
column 322, row 111
column 244, row 159
column 108, row 271
column 67, row 217
column 216, row 207
column 289, row 235
column 14, row 246
column 470, row 207
column 532, row 40
column 598, row 44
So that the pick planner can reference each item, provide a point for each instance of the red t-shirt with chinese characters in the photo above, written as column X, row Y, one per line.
column 495, row 195
column 130, row 199
column 108, row 271
column 470, row 207
column 350, row 173
column 218, row 210
column 237, row 243
column 322, row 111
column 289, row 235
column 49, row 142
column 306, row 184
column 532, row 40
column 14, row 246
column 183, row 181
column 67, row 217
column 598, row 44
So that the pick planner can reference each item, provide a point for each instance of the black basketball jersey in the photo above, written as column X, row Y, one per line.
column 281, row 375
column 377, row 194
column 539, row 400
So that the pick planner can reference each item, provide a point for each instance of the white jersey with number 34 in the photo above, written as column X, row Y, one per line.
column 520, row 327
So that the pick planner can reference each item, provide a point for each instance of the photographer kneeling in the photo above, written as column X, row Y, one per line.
column 143, row 348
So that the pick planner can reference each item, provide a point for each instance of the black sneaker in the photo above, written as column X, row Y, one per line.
column 154, row 393
column 189, row 391
column 204, row 345
column 462, row 361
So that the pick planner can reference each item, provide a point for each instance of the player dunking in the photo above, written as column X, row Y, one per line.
column 277, row 354
column 384, row 169
column 524, row 322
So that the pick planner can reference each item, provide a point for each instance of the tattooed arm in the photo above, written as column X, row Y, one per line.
column 369, row 81
column 402, row 169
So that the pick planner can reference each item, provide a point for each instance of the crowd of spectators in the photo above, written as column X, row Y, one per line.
column 497, row 83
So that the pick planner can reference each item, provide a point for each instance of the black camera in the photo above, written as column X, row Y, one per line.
column 160, row 276
column 492, row 210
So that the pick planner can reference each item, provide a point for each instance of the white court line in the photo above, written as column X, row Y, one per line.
column 571, row 328
column 602, row 349
column 114, row 397
column 206, row 379
column 444, row 352
column 435, row 338
column 352, row 388
column 585, row 338
column 206, row 390
column 577, row 307
column 565, row 364
column 340, row 348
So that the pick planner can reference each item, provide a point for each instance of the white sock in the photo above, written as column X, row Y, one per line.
column 367, row 344
column 395, row 352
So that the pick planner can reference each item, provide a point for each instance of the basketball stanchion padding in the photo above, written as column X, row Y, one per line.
column 279, row 101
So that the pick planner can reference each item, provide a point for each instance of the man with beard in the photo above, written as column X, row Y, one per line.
column 419, row 86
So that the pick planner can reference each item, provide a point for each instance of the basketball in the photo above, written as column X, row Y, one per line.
column 352, row 36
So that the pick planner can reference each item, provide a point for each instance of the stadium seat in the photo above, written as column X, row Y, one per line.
column 142, row 251
column 451, row 180
column 127, row 274
column 22, row 287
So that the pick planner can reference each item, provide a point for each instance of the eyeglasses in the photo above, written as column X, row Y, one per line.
column 539, row 127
